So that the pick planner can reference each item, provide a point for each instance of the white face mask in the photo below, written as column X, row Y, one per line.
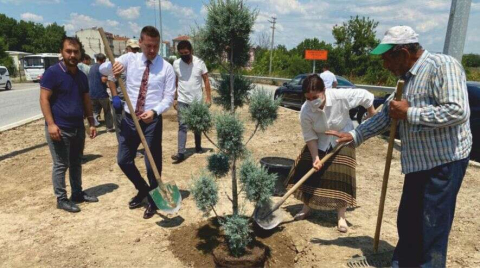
column 317, row 103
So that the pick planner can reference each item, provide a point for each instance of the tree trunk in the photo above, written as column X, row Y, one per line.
column 232, row 77
column 234, row 188
column 234, row 167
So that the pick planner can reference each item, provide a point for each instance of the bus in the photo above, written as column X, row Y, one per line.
column 35, row 65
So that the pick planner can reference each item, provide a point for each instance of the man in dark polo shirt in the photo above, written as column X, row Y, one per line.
column 64, row 101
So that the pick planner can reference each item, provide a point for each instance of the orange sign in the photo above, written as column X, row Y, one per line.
column 316, row 54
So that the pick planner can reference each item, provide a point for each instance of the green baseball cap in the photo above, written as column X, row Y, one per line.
column 382, row 48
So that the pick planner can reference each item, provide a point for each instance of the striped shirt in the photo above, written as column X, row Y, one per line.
column 437, row 129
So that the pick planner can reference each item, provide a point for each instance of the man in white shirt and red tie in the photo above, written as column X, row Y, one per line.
column 151, row 88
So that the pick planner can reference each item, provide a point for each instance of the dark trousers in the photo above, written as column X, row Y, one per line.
column 182, row 132
column 425, row 215
column 67, row 154
column 117, row 120
column 98, row 105
column 127, row 150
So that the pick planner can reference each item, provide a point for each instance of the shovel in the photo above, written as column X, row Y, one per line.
column 391, row 140
column 166, row 196
column 267, row 216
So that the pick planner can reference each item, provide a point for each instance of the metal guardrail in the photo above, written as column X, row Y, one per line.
column 279, row 81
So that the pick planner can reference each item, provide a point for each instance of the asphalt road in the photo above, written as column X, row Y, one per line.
column 20, row 103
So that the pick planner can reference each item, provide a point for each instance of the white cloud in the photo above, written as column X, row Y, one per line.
column 130, row 13
column 21, row 2
column 80, row 21
column 31, row 17
column 176, row 10
column 135, row 28
column 106, row 3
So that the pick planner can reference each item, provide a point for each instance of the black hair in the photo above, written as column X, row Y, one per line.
column 100, row 57
column 150, row 31
column 86, row 57
column 184, row 44
column 73, row 40
column 313, row 83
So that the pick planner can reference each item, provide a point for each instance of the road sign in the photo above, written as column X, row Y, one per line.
column 316, row 54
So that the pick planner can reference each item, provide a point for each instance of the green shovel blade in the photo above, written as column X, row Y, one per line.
column 162, row 203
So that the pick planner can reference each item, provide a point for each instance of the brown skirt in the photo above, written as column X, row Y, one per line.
column 334, row 186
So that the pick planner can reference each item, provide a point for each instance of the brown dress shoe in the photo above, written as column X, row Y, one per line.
column 149, row 212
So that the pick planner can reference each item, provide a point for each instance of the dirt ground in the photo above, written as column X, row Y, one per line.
column 108, row 234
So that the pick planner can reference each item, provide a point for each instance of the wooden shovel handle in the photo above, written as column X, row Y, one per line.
column 391, row 140
column 306, row 176
column 110, row 56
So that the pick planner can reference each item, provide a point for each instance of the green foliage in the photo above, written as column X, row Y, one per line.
column 471, row 60
column 5, row 59
column 237, row 233
column 227, row 29
column 205, row 193
column 473, row 74
column 241, row 87
column 263, row 108
column 258, row 184
column 218, row 164
column 230, row 134
column 31, row 37
column 197, row 116
column 377, row 75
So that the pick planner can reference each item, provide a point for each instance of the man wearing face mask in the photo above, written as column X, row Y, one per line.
column 333, row 188
column 436, row 144
column 190, row 72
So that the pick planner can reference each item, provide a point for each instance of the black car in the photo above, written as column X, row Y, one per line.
column 474, row 101
column 291, row 93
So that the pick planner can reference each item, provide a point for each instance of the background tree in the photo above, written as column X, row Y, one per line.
column 225, row 41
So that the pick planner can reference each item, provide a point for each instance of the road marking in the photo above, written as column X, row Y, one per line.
column 21, row 122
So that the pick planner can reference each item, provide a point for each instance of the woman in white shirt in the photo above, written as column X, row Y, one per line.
column 334, row 186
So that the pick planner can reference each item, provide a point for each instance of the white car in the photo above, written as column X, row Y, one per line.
column 5, row 78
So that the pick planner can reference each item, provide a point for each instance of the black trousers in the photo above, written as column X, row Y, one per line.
column 129, row 140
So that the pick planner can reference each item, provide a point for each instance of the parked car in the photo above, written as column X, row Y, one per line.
column 474, row 101
column 291, row 93
column 5, row 78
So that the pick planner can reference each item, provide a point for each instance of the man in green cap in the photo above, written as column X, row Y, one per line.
column 436, row 143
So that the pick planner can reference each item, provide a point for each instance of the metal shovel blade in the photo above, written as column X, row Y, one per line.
column 266, row 217
column 171, row 206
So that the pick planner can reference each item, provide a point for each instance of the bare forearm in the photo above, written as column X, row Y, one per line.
column 46, row 110
column 313, row 148
column 87, row 106
column 113, row 88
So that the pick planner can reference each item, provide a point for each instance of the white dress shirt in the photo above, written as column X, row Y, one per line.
column 190, row 79
column 333, row 116
column 161, row 80
column 328, row 78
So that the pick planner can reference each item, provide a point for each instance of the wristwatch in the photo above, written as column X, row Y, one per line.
column 154, row 113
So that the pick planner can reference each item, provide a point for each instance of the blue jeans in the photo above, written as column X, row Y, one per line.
column 129, row 141
column 425, row 215
column 67, row 154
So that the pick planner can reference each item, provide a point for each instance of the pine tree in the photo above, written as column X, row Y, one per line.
column 224, row 41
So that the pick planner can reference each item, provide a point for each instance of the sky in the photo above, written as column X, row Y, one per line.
column 296, row 19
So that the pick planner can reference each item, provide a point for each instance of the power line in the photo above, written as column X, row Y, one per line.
column 273, row 21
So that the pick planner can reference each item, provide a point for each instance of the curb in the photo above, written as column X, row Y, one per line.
column 21, row 122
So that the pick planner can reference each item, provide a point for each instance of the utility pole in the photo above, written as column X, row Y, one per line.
column 273, row 21
column 161, row 27
column 457, row 28
column 155, row 13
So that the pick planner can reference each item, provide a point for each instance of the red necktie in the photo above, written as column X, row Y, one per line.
column 142, row 95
